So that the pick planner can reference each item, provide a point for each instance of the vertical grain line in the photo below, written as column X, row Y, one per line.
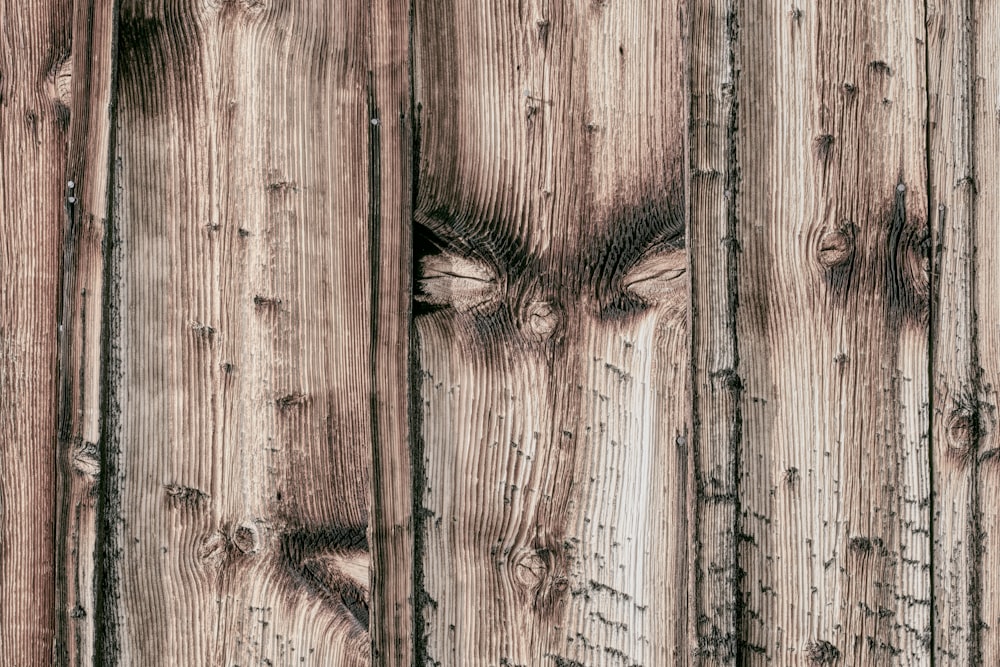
column 976, row 536
column 374, row 273
column 694, row 458
column 416, row 413
column 106, row 650
column 732, row 308
column 931, row 316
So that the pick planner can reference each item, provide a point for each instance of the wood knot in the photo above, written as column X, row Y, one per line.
column 86, row 459
column 213, row 548
column 246, row 538
column 835, row 249
column 963, row 430
column 542, row 319
column 528, row 568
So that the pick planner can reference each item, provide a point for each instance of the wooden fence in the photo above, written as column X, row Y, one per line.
column 499, row 333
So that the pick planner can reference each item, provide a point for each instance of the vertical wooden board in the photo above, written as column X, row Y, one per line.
column 986, row 181
column 240, row 411
column 34, row 47
column 712, row 178
column 552, row 355
column 391, row 528
column 84, row 86
column 965, row 141
column 958, row 393
column 832, row 333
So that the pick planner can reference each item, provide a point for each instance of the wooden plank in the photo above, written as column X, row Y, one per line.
column 832, row 333
column 391, row 531
column 956, row 376
column 986, row 177
column 34, row 52
column 964, row 139
column 552, row 333
column 712, row 181
column 241, row 408
column 87, row 86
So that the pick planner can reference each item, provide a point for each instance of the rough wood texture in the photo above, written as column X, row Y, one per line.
column 85, row 86
column 241, row 417
column 963, row 144
column 34, row 49
column 831, row 331
column 712, row 181
column 391, row 531
column 552, row 335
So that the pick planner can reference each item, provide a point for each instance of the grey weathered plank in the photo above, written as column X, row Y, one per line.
column 256, row 372
column 391, row 529
column 34, row 50
column 713, row 175
column 552, row 333
column 831, row 332
column 86, row 84
column 963, row 143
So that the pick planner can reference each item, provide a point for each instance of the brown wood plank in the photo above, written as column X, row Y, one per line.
column 712, row 178
column 391, row 531
column 832, row 333
column 241, row 414
column 87, row 86
column 964, row 141
column 986, row 179
column 34, row 116
column 552, row 333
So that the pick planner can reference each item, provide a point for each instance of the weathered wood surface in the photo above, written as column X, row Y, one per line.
column 34, row 51
column 831, row 332
column 85, row 86
column 775, row 447
column 243, row 311
column 552, row 339
column 964, row 142
column 391, row 528
column 712, row 176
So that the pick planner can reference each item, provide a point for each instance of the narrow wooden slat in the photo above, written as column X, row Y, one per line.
column 712, row 180
column 964, row 141
column 832, row 333
column 957, row 392
column 240, row 410
column 87, row 85
column 390, row 225
column 985, row 181
column 552, row 287
column 34, row 54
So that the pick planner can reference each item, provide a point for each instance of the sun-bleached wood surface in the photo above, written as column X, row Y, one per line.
column 493, row 333
column 34, row 51
column 552, row 338
column 243, row 302
column 963, row 146
column 832, row 333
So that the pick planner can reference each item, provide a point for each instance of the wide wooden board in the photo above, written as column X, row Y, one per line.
column 552, row 338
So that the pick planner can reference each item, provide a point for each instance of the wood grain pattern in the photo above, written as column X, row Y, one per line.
column 963, row 141
column 712, row 176
column 34, row 49
column 241, row 412
column 832, row 333
column 85, row 86
column 552, row 335
column 391, row 530
column 691, row 357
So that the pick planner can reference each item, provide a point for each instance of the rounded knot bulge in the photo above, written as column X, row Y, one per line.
column 542, row 319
